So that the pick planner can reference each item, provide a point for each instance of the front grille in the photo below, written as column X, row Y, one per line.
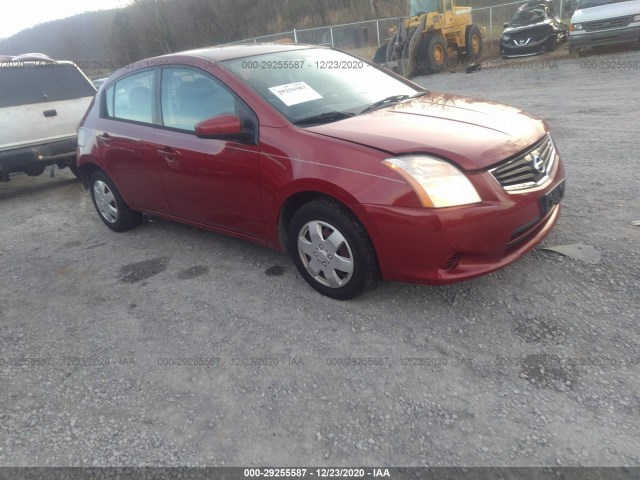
column 608, row 24
column 528, row 169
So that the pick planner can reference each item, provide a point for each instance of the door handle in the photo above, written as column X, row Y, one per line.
column 169, row 154
column 104, row 138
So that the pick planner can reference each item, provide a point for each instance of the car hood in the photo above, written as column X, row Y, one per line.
column 610, row 10
column 470, row 132
column 520, row 28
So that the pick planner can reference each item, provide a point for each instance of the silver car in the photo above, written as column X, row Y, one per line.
column 604, row 22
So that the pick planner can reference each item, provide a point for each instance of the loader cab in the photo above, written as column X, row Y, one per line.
column 420, row 7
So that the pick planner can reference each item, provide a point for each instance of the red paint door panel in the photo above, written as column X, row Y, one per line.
column 129, row 153
column 213, row 182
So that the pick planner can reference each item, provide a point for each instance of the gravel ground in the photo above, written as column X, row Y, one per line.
column 535, row 365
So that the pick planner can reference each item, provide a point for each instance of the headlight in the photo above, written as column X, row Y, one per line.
column 506, row 37
column 437, row 183
column 636, row 18
column 575, row 27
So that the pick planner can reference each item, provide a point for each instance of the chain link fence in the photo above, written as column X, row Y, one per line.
column 364, row 38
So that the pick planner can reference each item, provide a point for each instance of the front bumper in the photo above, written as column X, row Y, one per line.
column 441, row 246
column 605, row 37
column 509, row 49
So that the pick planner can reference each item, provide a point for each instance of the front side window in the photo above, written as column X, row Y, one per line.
column 131, row 98
column 190, row 96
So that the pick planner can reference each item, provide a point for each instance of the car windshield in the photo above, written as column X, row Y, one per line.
column 320, row 85
column 529, row 15
column 597, row 3
column 424, row 6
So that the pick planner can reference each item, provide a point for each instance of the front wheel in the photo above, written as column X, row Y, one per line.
column 332, row 250
column 437, row 54
column 380, row 57
column 111, row 207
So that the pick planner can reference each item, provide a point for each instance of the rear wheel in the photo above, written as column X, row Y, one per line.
column 111, row 207
column 74, row 169
column 473, row 39
column 332, row 250
column 34, row 170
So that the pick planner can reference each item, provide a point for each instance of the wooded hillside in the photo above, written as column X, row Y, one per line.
column 152, row 27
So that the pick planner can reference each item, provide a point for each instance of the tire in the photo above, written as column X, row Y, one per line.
column 34, row 170
column 339, row 260
column 381, row 55
column 576, row 52
column 74, row 169
column 436, row 54
column 422, row 56
column 473, row 42
column 111, row 208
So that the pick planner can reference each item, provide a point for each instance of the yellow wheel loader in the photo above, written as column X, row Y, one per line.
column 423, row 41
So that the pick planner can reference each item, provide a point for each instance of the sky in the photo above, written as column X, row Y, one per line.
column 20, row 14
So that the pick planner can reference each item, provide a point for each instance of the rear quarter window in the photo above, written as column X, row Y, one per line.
column 28, row 84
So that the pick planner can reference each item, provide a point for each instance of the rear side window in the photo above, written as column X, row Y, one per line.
column 131, row 98
column 26, row 85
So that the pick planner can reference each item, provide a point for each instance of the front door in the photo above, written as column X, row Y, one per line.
column 213, row 182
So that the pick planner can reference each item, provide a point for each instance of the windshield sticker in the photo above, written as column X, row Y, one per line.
column 295, row 93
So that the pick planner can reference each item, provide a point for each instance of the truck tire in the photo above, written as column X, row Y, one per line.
column 473, row 41
column 436, row 54
column 381, row 55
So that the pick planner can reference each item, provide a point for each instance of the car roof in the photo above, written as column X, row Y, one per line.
column 31, row 60
column 230, row 52
column 28, row 57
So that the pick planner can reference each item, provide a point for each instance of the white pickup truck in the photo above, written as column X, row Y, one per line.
column 41, row 104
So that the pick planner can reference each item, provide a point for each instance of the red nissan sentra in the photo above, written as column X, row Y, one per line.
column 357, row 172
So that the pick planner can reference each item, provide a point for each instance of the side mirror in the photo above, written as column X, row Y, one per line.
column 222, row 126
column 506, row 25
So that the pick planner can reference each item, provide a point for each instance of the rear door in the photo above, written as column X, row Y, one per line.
column 126, row 139
column 213, row 182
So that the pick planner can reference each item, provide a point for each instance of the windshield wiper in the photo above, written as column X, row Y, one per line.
column 384, row 102
column 326, row 117
column 392, row 99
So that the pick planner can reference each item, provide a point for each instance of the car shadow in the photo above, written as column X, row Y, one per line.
column 25, row 186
